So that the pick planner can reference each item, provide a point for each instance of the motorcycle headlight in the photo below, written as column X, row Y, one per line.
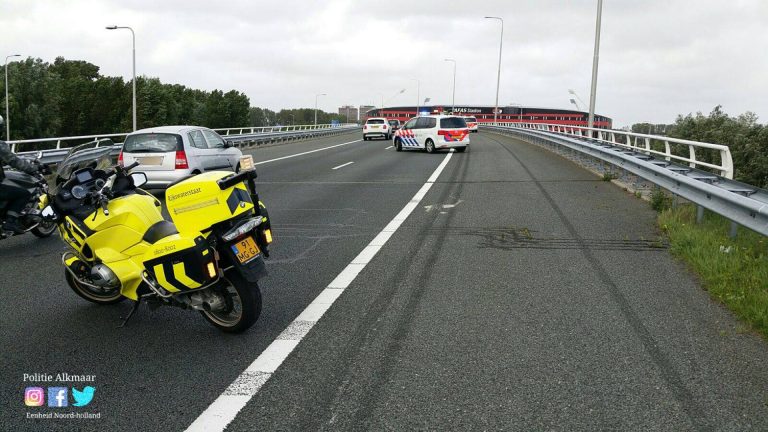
column 241, row 229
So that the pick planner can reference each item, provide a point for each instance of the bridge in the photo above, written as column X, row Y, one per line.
column 504, row 288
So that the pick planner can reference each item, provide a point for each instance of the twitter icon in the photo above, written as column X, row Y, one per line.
column 84, row 397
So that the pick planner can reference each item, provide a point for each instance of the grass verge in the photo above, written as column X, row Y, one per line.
column 734, row 271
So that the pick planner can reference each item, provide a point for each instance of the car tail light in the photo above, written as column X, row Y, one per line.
column 120, row 160
column 385, row 127
column 181, row 160
column 365, row 126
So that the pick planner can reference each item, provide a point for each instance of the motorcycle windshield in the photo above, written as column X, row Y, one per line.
column 95, row 154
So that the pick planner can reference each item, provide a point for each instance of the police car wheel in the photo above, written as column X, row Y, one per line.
column 430, row 146
column 399, row 145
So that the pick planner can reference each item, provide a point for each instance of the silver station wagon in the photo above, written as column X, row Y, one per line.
column 169, row 153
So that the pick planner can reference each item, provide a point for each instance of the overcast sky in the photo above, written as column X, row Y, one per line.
column 658, row 58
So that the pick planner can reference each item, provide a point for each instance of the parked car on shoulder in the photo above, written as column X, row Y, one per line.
column 394, row 124
column 169, row 153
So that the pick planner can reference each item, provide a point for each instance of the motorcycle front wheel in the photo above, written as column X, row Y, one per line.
column 44, row 229
column 93, row 295
column 243, row 304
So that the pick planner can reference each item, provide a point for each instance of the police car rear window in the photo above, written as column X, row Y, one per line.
column 375, row 121
column 452, row 123
column 153, row 143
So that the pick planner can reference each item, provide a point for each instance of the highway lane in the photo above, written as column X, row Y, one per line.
column 524, row 294
column 164, row 368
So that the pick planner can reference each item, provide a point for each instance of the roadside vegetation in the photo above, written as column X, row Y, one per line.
column 72, row 98
column 747, row 139
column 734, row 271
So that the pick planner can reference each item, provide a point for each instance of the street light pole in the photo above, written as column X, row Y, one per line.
column 453, row 97
column 418, row 94
column 596, row 57
column 133, row 38
column 316, row 96
column 498, row 76
column 573, row 92
column 7, row 115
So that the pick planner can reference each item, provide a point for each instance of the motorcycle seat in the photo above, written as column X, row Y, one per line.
column 159, row 230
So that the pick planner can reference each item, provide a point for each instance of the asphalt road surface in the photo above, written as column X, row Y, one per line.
column 521, row 293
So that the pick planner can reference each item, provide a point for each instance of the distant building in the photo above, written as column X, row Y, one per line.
column 364, row 109
column 349, row 112
column 507, row 114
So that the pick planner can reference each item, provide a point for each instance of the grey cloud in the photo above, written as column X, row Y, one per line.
column 658, row 58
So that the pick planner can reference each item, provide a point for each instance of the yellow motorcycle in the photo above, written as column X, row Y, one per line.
column 208, row 258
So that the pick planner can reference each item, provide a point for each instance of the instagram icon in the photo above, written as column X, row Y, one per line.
column 34, row 396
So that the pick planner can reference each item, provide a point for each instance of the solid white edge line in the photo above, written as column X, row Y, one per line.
column 226, row 407
column 342, row 165
column 388, row 148
column 306, row 152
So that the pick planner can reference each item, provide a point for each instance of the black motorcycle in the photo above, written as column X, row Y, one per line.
column 30, row 219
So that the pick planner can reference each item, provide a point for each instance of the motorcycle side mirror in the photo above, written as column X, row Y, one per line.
column 48, row 213
column 139, row 179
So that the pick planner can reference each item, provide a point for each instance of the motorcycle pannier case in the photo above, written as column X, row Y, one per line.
column 181, row 263
column 198, row 203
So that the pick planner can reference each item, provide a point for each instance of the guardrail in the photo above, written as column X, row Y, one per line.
column 271, row 129
column 642, row 142
column 742, row 203
column 247, row 137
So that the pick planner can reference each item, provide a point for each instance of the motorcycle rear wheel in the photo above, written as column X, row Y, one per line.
column 44, row 229
column 91, row 294
column 243, row 304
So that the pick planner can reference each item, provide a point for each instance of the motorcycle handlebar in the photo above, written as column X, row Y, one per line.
column 234, row 179
column 131, row 166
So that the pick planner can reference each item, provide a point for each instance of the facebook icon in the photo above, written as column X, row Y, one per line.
column 57, row 397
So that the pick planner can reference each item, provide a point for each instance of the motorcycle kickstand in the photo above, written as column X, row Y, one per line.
column 131, row 313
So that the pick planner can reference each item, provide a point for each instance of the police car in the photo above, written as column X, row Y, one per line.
column 471, row 123
column 432, row 133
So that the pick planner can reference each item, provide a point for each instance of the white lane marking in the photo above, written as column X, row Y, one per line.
column 306, row 152
column 342, row 165
column 388, row 148
column 226, row 407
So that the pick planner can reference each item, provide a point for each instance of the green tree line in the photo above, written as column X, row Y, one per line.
column 295, row 116
column 747, row 139
column 71, row 97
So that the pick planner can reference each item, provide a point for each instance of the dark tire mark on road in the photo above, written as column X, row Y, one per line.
column 323, row 414
column 668, row 372
column 408, row 314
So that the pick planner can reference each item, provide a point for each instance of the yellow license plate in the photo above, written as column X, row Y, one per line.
column 245, row 250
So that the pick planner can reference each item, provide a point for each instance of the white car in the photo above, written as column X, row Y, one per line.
column 167, row 154
column 432, row 133
column 377, row 127
column 471, row 123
